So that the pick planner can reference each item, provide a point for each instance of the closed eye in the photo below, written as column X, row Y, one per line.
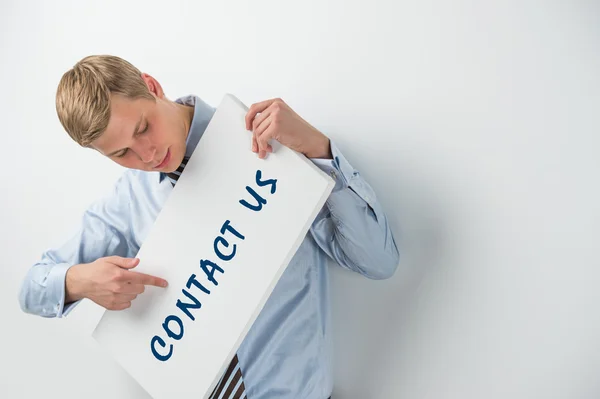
column 145, row 129
column 121, row 155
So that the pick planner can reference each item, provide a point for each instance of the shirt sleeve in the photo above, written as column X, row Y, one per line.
column 104, row 230
column 352, row 227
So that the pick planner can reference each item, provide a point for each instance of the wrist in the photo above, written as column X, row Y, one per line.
column 74, row 285
column 321, row 149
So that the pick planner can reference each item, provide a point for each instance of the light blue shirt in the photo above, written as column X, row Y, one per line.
column 287, row 352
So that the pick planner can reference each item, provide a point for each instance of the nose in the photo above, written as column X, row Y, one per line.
column 145, row 150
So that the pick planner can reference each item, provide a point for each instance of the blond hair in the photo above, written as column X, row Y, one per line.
column 83, row 96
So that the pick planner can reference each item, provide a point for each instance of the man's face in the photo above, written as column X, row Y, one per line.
column 146, row 135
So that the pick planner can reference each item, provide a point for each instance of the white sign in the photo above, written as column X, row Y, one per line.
column 223, row 238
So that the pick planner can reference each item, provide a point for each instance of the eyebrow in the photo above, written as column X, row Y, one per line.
column 135, row 131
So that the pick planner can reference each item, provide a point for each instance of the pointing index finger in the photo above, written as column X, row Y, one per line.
column 146, row 279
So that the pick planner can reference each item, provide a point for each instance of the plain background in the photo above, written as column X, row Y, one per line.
column 476, row 122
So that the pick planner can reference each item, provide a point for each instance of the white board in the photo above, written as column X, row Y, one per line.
column 185, row 235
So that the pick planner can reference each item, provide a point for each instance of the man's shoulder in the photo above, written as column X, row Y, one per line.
column 135, row 182
column 136, row 176
column 132, row 188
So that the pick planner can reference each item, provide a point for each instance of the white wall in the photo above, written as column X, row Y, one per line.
column 476, row 123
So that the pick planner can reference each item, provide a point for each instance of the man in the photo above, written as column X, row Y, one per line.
column 107, row 104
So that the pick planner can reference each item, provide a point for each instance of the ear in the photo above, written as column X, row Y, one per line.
column 153, row 85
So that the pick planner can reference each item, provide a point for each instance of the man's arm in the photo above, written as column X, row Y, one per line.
column 104, row 231
column 352, row 227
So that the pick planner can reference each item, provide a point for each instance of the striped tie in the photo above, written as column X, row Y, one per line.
column 174, row 176
column 231, row 384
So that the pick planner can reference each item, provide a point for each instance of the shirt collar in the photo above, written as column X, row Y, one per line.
column 203, row 113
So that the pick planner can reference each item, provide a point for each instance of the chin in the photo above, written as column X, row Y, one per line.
column 175, row 161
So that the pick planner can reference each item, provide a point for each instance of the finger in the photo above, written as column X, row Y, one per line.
column 119, row 306
column 255, row 145
column 255, row 109
column 146, row 279
column 138, row 288
column 126, row 263
column 260, row 118
column 256, row 123
column 131, row 288
column 121, row 298
column 258, row 133
column 263, row 141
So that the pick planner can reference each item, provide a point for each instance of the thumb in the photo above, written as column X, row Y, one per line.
column 126, row 263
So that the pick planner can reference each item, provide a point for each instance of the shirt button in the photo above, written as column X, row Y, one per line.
column 333, row 174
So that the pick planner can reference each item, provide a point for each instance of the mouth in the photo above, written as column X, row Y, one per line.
column 165, row 160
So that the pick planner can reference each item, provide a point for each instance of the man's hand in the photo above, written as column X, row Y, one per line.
column 274, row 119
column 108, row 282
